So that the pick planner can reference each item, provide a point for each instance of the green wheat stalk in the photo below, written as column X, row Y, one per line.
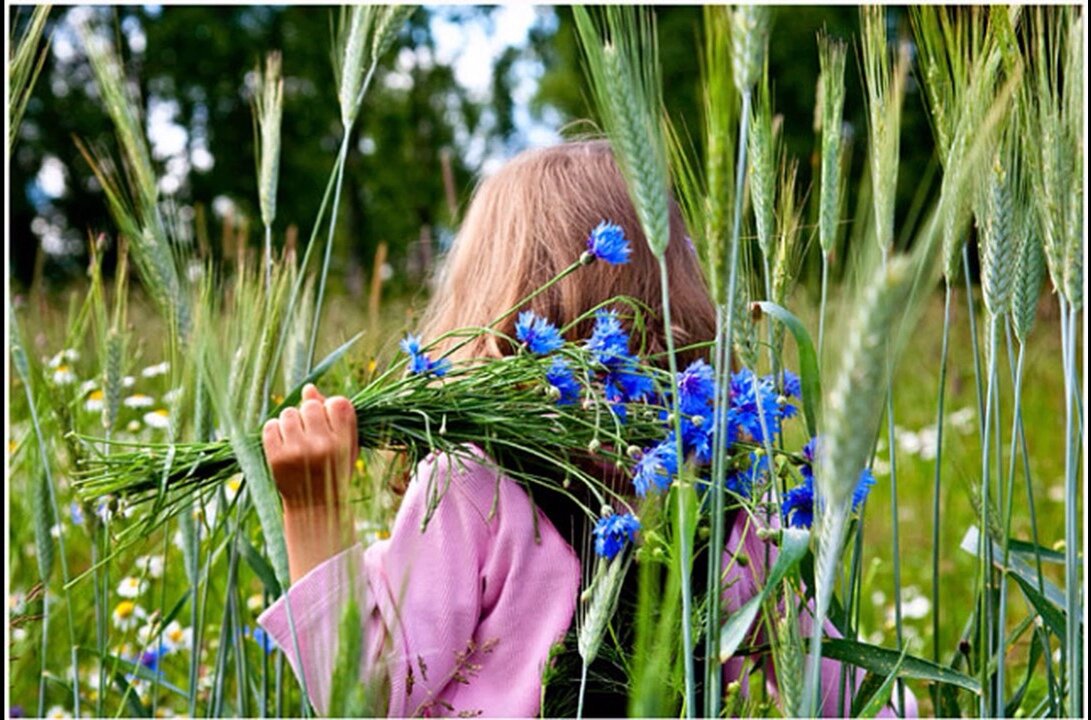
column 268, row 112
column 25, row 62
column 831, row 59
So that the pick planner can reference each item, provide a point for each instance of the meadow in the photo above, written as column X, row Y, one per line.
column 145, row 534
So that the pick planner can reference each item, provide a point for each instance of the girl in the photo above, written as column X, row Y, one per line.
column 464, row 617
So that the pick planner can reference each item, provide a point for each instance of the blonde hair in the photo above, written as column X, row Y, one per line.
column 529, row 221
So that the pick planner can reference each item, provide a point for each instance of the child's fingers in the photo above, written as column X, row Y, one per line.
column 341, row 414
column 310, row 392
column 314, row 417
column 291, row 426
column 271, row 437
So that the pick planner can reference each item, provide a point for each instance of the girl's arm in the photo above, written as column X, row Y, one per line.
column 311, row 451
column 458, row 618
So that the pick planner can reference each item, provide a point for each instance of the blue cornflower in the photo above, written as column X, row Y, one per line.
column 410, row 344
column 607, row 243
column 560, row 376
column 420, row 363
column 863, row 487
column 656, row 467
column 150, row 658
column 264, row 641
column 798, row 506
column 75, row 512
column 626, row 383
column 697, row 389
column 751, row 407
column 795, row 498
column 740, row 480
column 609, row 343
column 540, row 335
column 612, row 532
column 791, row 383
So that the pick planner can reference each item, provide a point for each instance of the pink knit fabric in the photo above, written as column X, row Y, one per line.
column 461, row 617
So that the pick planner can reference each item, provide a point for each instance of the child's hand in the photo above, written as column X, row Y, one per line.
column 311, row 452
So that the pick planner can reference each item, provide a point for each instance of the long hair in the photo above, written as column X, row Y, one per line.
column 529, row 221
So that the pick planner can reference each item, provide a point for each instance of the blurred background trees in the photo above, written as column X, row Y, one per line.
column 445, row 107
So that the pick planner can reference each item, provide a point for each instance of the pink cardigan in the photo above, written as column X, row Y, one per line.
column 463, row 616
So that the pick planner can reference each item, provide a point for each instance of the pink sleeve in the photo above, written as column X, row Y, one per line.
column 461, row 617
column 742, row 581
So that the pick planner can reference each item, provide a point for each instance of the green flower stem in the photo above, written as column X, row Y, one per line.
column 725, row 322
column 822, row 305
column 1073, row 646
column 985, row 637
column 342, row 155
column 936, row 643
column 713, row 671
column 268, row 261
column 971, row 313
column 686, row 550
column 894, row 542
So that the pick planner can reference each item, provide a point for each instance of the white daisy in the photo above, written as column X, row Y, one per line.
column 139, row 400
column 151, row 564
column 133, row 426
column 69, row 355
column 132, row 587
column 95, row 401
column 63, row 375
column 171, row 396
column 87, row 386
column 127, row 614
column 231, row 487
column 57, row 712
column 156, row 370
column 158, row 419
column 177, row 637
column 128, row 381
column 17, row 603
column 147, row 634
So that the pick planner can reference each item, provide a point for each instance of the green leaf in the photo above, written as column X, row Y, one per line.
column 1051, row 615
column 1032, row 662
column 878, row 699
column 266, row 502
column 132, row 700
column 793, row 546
column 1016, row 567
column 948, row 702
column 885, row 661
column 809, row 377
column 319, row 370
column 260, row 566
column 44, row 520
column 1032, row 551
column 871, row 684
